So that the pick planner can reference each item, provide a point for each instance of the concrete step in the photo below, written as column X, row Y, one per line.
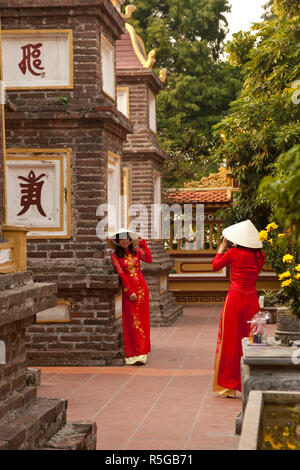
column 10, row 407
column 34, row 425
column 81, row 435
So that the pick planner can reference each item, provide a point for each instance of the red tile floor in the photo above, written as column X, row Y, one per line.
column 167, row 404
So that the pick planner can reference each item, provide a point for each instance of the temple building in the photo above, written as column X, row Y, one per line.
column 192, row 280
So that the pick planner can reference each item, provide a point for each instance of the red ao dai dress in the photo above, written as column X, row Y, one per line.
column 135, row 313
column 241, row 304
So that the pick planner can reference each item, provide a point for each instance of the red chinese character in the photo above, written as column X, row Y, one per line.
column 31, row 192
column 31, row 54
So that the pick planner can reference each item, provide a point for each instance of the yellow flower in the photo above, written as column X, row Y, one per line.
column 263, row 235
column 274, row 444
column 281, row 235
column 284, row 275
column 288, row 282
column 286, row 431
column 297, row 276
column 297, row 267
column 271, row 226
column 287, row 258
column 291, row 445
column 270, row 241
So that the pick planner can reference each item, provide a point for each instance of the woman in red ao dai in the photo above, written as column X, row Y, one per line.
column 135, row 296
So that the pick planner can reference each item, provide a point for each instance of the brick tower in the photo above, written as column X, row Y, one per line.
column 143, row 161
column 64, row 135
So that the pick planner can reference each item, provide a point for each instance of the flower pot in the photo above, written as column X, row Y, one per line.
column 287, row 326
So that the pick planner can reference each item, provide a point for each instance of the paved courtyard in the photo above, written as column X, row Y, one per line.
column 168, row 404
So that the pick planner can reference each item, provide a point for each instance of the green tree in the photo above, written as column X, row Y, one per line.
column 268, row 10
column 188, row 38
column 282, row 190
column 264, row 120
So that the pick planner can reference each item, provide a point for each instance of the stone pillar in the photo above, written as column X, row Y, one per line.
column 138, row 85
column 79, row 123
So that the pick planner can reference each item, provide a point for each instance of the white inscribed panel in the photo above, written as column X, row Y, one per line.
column 33, row 190
column 37, row 59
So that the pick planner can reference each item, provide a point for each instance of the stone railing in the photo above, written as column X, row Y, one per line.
column 211, row 239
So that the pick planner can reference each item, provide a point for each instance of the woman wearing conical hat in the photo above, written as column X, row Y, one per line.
column 129, row 250
column 245, row 259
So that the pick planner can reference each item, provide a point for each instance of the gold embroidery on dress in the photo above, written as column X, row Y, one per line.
column 140, row 295
column 138, row 325
column 132, row 265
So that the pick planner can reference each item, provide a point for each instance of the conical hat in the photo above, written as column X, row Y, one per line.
column 111, row 237
column 244, row 234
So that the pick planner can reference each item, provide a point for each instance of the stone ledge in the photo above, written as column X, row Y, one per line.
column 75, row 358
column 34, row 425
column 19, row 294
column 79, row 435
column 24, row 302
column 269, row 355
column 64, row 280
column 13, row 280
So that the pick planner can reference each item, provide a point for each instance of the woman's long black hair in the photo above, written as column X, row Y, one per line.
column 120, row 251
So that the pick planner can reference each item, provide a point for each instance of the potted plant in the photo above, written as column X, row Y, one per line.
column 285, row 261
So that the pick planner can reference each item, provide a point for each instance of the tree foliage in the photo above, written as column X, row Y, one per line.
column 264, row 120
column 282, row 190
column 188, row 38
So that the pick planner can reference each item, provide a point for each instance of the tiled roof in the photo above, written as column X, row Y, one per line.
column 215, row 196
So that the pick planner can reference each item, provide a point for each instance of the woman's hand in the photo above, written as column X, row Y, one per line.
column 133, row 296
column 135, row 248
column 223, row 247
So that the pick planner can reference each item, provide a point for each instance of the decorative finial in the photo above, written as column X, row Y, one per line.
column 129, row 10
column 163, row 75
column 151, row 59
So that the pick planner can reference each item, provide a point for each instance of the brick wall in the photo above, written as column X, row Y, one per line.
column 93, row 337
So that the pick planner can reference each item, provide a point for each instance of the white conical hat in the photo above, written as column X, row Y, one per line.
column 111, row 237
column 132, row 234
column 244, row 234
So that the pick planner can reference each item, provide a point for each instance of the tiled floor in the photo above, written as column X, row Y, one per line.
column 168, row 404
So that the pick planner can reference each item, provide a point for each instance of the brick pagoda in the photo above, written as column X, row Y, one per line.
column 144, row 159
